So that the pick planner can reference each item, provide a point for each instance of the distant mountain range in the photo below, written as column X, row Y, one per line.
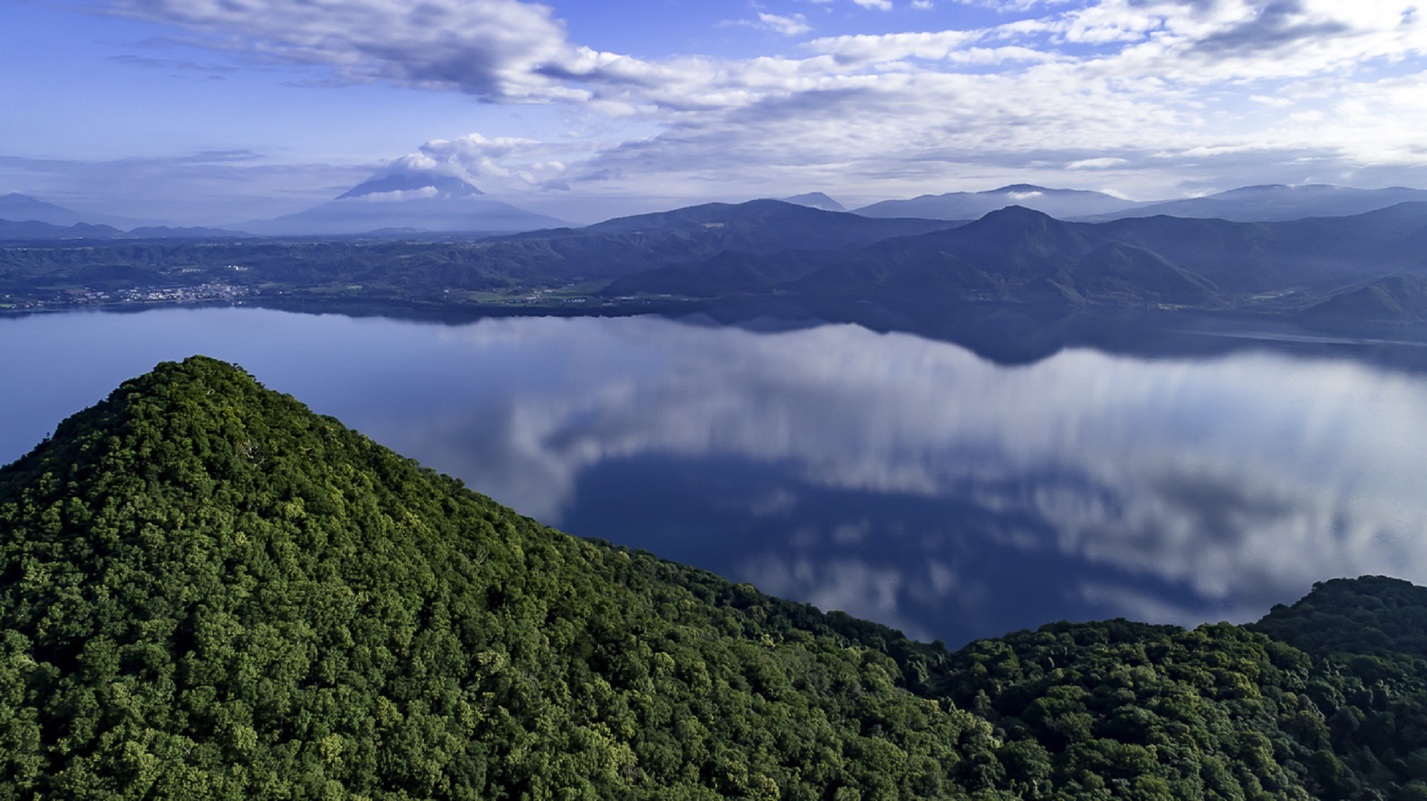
column 407, row 202
column 1365, row 266
column 417, row 203
column 690, row 235
column 35, row 230
column 26, row 218
column 1063, row 203
column 398, row 204
column 24, row 208
column 1360, row 267
column 1369, row 264
column 1275, row 203
column 1268, row 203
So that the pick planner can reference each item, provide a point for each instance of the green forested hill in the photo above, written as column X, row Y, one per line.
column 207, row 591
column 210, row 591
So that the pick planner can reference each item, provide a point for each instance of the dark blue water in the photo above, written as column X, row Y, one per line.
column 897, row 478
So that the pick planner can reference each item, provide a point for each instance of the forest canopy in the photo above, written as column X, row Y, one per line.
column 208, row 591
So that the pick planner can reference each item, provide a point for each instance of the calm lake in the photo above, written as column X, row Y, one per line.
column 898, row 478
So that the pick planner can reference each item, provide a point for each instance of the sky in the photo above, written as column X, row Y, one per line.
column 218, row 111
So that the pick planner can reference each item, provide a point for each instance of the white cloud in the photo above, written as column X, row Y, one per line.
column 396, row 195
column 1165, row 86
column 1150, row 91
column 786, row 26
column 868, row 48
column 497, row 165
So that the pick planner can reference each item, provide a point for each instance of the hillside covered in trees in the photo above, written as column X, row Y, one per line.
column 208, row 591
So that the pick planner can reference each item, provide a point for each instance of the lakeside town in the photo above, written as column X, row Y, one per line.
column 200, row 293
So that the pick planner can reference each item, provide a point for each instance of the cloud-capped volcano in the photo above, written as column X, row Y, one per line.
column 407, row 200
column 409, row 184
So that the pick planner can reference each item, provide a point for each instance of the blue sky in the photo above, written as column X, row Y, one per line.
column 215, row 111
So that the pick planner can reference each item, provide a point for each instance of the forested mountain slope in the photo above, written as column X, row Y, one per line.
column 208, row 591
column 1367, row 266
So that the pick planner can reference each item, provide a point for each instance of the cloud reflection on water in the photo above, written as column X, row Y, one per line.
column 890, row 476
column 1244, row 477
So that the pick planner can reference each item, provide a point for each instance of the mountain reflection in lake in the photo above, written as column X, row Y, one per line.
column 897, row 478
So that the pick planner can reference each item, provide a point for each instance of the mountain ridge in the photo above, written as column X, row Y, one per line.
column 1062, row 203
column 25, row 208
column 261, row 564
column 1274, row 203
column 1020, row 255
column 816, row 200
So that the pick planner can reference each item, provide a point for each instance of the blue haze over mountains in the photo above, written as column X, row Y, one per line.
column 406, row 201
column 1369, row 265
column 1323, row 251
column 418, row 200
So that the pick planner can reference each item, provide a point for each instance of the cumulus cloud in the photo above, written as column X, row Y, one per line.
column 399, row 195
column 1274, row 26
column 1156, row 83
column 1100, row 163
column 1058, row 87
column 784, row 25
column 868, row 48
column 496, row 164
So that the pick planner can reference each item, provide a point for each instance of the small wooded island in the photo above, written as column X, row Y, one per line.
column 208, row 591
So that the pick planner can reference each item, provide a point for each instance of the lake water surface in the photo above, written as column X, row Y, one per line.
column 900, row 479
